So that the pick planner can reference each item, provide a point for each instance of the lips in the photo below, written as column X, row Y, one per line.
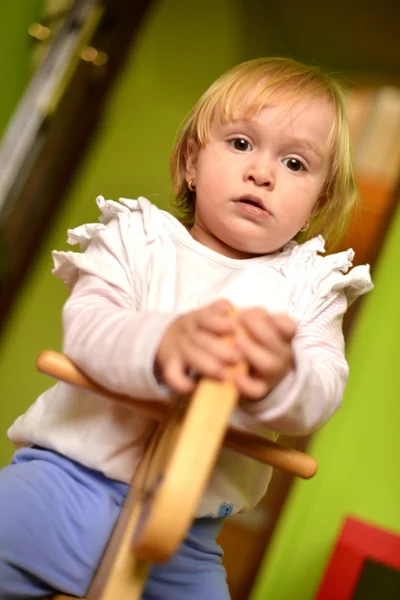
column 253, row 204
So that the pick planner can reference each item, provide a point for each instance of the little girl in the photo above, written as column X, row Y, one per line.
column 263, row 158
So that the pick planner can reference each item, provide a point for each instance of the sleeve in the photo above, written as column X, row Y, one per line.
column 105, row 332
column 310, row 394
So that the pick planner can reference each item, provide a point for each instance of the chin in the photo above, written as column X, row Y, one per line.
column 244, row 251
column 251, row 242
column 255, row 249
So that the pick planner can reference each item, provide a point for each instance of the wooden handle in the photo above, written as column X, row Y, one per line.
column 252, row 445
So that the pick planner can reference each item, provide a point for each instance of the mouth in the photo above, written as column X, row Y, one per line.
column 253, row 204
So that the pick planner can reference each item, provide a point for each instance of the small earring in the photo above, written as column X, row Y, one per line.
column 191, row 186
column 305, row 226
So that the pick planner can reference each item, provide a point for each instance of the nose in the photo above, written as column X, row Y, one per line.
column 261, row 172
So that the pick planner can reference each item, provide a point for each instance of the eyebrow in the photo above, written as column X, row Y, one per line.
column 307, row 145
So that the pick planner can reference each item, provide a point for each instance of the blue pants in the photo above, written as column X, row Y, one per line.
column 55, row 519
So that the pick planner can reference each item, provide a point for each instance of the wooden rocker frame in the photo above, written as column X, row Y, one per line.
column 172, row 477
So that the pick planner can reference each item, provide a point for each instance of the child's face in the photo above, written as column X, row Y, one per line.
column 258, row 181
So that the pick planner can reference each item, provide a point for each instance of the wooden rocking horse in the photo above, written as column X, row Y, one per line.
column 172, row 477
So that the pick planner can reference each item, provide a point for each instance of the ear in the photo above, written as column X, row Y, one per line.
column 191, row 160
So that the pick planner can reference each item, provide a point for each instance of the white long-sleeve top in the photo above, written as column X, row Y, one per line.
column 138, row 269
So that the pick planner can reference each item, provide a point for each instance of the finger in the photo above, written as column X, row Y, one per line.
column 264, row 361
column 285, row 325
column 217, row 323
column 176, row 377
column 260, row 328
column 222, row 349
column 222, row 305
column 203, row 362
column 251, row 387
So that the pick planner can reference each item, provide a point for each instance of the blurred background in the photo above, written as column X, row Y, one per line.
column 92, row 94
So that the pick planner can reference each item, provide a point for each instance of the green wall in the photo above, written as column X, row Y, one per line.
column 177, row 54
column 15, row 52
column 358, row 451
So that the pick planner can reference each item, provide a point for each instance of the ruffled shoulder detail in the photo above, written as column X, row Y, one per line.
column 68, row 264
column 319, row 276
column 336, row 272
column 110, row 210
column 294, row 250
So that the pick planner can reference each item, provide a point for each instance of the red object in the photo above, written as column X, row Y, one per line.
column 357, row 542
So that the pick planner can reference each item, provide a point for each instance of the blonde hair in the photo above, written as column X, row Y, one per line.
column 245, row 90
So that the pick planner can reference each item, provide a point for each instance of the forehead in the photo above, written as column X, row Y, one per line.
column 301, row 115
column 314, row 114
column 244, row 104
column 249, row 95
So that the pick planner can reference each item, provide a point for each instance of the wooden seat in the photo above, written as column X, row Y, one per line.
column 171, row 478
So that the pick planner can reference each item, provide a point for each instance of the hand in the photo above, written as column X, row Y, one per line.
column 198, row 341
column 265, row 342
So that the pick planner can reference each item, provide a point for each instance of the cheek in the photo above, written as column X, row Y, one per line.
column 207, row 186
column 299, row 201
column 310, row 189
column 213, row 176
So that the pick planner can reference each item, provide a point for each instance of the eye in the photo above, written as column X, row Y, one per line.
column 293, row 164
column 241, row 145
